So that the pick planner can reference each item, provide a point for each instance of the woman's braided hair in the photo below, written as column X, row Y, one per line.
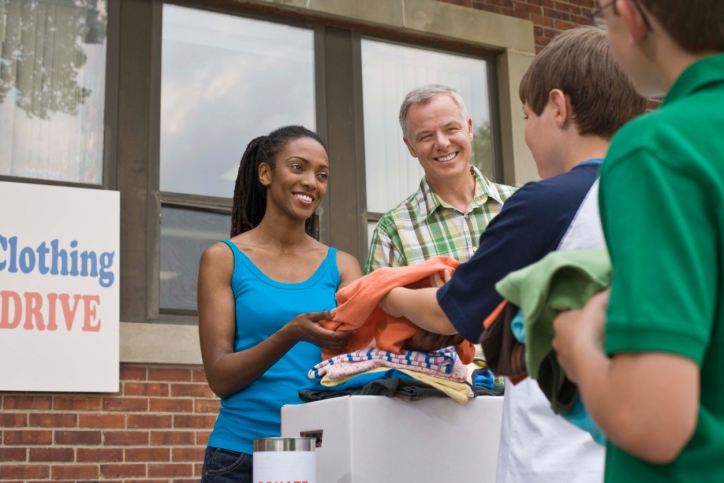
column 250, row 195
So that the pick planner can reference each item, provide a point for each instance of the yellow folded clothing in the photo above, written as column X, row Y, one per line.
column 457, row 391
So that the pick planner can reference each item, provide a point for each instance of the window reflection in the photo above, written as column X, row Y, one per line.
column 389, row 71
column 226, row 80
column 52, row 89
column 185, row 234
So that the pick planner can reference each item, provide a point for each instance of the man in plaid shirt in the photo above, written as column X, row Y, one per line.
column 454, row 203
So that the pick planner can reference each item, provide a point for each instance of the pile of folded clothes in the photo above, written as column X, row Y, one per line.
column 389, row 369
column 409, row 374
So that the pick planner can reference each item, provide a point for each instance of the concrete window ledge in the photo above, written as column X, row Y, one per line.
column 428, row 17
column 160, row 344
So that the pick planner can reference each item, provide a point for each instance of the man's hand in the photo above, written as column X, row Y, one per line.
column 579, row 331
column 425, row 341
column 437, row 279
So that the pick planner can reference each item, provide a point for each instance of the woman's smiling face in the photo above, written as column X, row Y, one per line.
column 298, row 182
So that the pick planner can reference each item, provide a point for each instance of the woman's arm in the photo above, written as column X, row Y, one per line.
column 227, row 371
column 349, row 269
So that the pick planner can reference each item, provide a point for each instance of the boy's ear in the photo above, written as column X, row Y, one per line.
column 635, row 22
column 264, row 174
column 561, row 107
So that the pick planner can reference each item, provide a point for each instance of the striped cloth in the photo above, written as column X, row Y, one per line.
column 443, row 363
column 424, row 226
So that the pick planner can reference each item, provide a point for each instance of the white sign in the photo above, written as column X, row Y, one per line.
column 285, row 467
column 59, row 277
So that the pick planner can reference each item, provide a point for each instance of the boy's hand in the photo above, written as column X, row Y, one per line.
column 390, row 304
column 420, row 307
column 580, row 331
column 425, row 341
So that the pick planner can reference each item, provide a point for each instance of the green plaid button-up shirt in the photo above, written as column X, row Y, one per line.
column 424, row 226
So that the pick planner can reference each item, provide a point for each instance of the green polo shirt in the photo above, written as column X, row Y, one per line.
column 662, row 209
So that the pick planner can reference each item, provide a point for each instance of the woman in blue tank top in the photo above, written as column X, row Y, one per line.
column 255, row 345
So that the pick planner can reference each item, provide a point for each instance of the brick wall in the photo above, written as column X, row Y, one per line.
column 155, row 429
column 549, row 17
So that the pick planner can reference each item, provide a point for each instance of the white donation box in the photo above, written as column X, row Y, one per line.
column 373, row 439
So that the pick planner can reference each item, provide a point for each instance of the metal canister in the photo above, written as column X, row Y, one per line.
column 285, row 460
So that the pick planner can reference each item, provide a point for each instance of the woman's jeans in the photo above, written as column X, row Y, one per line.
column 224, row 466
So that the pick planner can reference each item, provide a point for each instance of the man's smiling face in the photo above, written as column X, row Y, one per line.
column 440, row 137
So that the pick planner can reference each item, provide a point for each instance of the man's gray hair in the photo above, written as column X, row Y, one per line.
column 423, row 94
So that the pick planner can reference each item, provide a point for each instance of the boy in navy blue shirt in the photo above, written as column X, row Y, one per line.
column 575, row 98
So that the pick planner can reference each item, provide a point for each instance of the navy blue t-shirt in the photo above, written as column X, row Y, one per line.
column 530, row 225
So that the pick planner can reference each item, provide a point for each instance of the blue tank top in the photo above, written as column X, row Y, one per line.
column 263, row 306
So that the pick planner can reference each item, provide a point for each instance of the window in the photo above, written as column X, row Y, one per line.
column 225, row 80
column 184, row 236
column 389, row 72
column 190, row 87
column 52, row 89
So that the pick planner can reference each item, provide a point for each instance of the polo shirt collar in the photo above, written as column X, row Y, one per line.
column 703, row 73
column 483, row 190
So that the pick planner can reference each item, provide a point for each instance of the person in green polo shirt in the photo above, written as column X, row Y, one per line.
column 655, row 385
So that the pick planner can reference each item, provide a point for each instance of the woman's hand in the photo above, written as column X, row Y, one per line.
column 580, row 331
column 305, row 327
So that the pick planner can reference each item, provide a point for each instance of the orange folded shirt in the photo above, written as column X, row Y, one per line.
column 357, row 308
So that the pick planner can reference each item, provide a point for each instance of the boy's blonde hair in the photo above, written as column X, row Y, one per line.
column 580, row 63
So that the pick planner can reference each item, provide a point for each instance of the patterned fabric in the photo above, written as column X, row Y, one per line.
column 443, row 363
column 424, row 226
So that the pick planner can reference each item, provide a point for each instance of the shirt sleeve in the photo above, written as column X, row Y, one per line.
column 661, row 222
column 530, row 225
column 383, row 252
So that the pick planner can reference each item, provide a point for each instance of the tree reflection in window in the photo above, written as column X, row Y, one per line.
column 42, row 51
column 52, row 60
